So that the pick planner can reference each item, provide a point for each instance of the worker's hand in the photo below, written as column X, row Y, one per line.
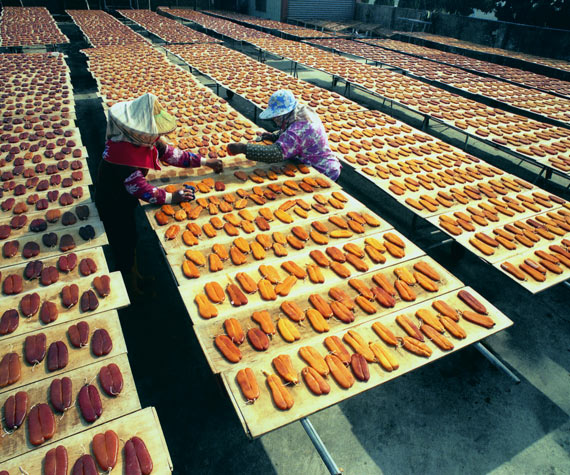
column 160, row 145
column 236, row 148
column 262, row 135
column 215, row 164
column 186, row 194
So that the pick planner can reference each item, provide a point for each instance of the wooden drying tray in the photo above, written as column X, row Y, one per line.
column 86, row 180
column 100, row 239
column 95, row 253
column 463, row 238
column 303, row 259
column 251, row 93
column 483, row 94
column 469, row 130
column 478, row 183
column 263, row 416
column 76, row 137
column 510, row 149
column 117, row 299
column 25, row 231
column 533, row 286
column 172, row 245
column 207, row 331
column 402, row 156
column 176, row 259
column 395, row 173
column 85, row 199
column 232, row 184
column 44, row 175
column 342, row 125
column 71, row 422
column 10, row 84
column 211, row 123
column 501, row 253
column 273, row 206
column 424, row 213
column 71, row 116
column 457, row 206
column 143, row 423
column 255, row 302
column 187, row 174
column 351, row 156
column 77, row 357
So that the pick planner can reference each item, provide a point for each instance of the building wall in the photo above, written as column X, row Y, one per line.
column 273, row 10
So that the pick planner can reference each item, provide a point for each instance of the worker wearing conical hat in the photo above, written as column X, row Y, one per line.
column 301, row 136
column 133, row 147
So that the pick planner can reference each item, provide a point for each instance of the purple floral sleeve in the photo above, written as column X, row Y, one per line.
column 137, row 186
column 307, row 142
column 290, row 143
column 178, row 158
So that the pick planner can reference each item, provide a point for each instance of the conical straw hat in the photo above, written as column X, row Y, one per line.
column 143, row 116
column 165, row 123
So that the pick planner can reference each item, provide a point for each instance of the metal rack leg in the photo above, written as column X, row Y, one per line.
column 414, row 223
column 539, row 175
column 321, row 448
column 498, row 363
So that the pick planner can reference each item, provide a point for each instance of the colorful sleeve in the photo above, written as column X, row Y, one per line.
column 290, row 143
column 178, row 158
column 137, row 186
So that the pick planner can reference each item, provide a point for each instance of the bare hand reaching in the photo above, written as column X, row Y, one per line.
column 215, row 164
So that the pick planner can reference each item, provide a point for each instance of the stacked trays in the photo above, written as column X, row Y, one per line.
column 64, row 360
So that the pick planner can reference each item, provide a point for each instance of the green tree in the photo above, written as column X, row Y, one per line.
column 460, row 7
column 549, row 13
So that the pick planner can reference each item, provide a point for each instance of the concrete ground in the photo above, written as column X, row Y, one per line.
column 457, row 415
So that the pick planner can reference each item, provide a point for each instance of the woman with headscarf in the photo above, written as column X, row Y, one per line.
column 133, row 147
column 301, row 135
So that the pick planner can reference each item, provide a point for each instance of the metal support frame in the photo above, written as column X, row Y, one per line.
column 496, row 361
column 414, row 224
column 320, row 446
column 537, row 176
column 439, row 244
column 293, row 69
